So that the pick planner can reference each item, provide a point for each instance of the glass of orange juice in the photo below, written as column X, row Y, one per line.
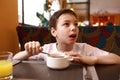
column 6, row 67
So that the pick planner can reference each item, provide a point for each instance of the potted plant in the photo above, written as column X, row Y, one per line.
column 44, row 21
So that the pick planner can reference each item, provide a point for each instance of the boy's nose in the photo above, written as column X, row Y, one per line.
column 73, row 28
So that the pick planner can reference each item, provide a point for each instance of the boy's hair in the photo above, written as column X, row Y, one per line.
column 56, row 15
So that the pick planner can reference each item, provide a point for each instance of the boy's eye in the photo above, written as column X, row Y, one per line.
column 66, row 24
column 76, row 24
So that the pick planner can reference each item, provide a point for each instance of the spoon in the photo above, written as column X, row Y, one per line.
column 45, row 53
column 64, row 56
column 53, row 55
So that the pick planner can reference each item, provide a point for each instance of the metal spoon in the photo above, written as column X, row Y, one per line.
column 69, row 57
column 45, row 53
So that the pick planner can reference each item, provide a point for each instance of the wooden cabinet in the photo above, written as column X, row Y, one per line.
column 81, row 7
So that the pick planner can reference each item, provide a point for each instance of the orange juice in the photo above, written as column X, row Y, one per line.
column 5, row 68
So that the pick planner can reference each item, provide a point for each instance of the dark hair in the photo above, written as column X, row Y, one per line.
column 56, row 15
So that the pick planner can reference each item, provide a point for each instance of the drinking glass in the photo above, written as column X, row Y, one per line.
column 6, row 67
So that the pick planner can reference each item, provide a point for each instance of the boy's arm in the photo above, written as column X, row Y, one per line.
column 31, row 48
column 111, row 58
column 108, row 59
column 21, row 55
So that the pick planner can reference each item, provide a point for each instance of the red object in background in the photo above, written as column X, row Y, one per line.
column 103, row 19
column 111, row 19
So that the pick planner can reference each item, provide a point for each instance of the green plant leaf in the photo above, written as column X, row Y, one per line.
column 44, row 21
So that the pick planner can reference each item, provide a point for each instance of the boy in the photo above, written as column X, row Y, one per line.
column 63, row 26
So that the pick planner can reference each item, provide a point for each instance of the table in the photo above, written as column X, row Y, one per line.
column 108, row 72
column 37, row 70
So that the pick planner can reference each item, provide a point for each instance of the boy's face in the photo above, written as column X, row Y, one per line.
column 66, row 29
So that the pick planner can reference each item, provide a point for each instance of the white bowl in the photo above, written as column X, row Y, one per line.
column 55, row 61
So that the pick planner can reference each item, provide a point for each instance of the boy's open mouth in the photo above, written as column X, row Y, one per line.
column 73, row 36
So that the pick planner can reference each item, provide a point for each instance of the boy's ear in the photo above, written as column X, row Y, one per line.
column 53, row 32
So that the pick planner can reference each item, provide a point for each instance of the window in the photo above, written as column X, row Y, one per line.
column 30, row 9
column 27, row 10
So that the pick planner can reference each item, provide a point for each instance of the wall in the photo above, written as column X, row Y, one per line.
column 8, row 24
column 106, row 7
column 101, row 8
column 111, row 6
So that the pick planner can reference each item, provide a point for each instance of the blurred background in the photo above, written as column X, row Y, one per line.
column 27, row 12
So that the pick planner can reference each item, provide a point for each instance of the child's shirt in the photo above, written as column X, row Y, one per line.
column 80, row 48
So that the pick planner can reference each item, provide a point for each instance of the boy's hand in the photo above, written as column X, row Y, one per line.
column 90, row 60
column 33, row 47
column 75, row 57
